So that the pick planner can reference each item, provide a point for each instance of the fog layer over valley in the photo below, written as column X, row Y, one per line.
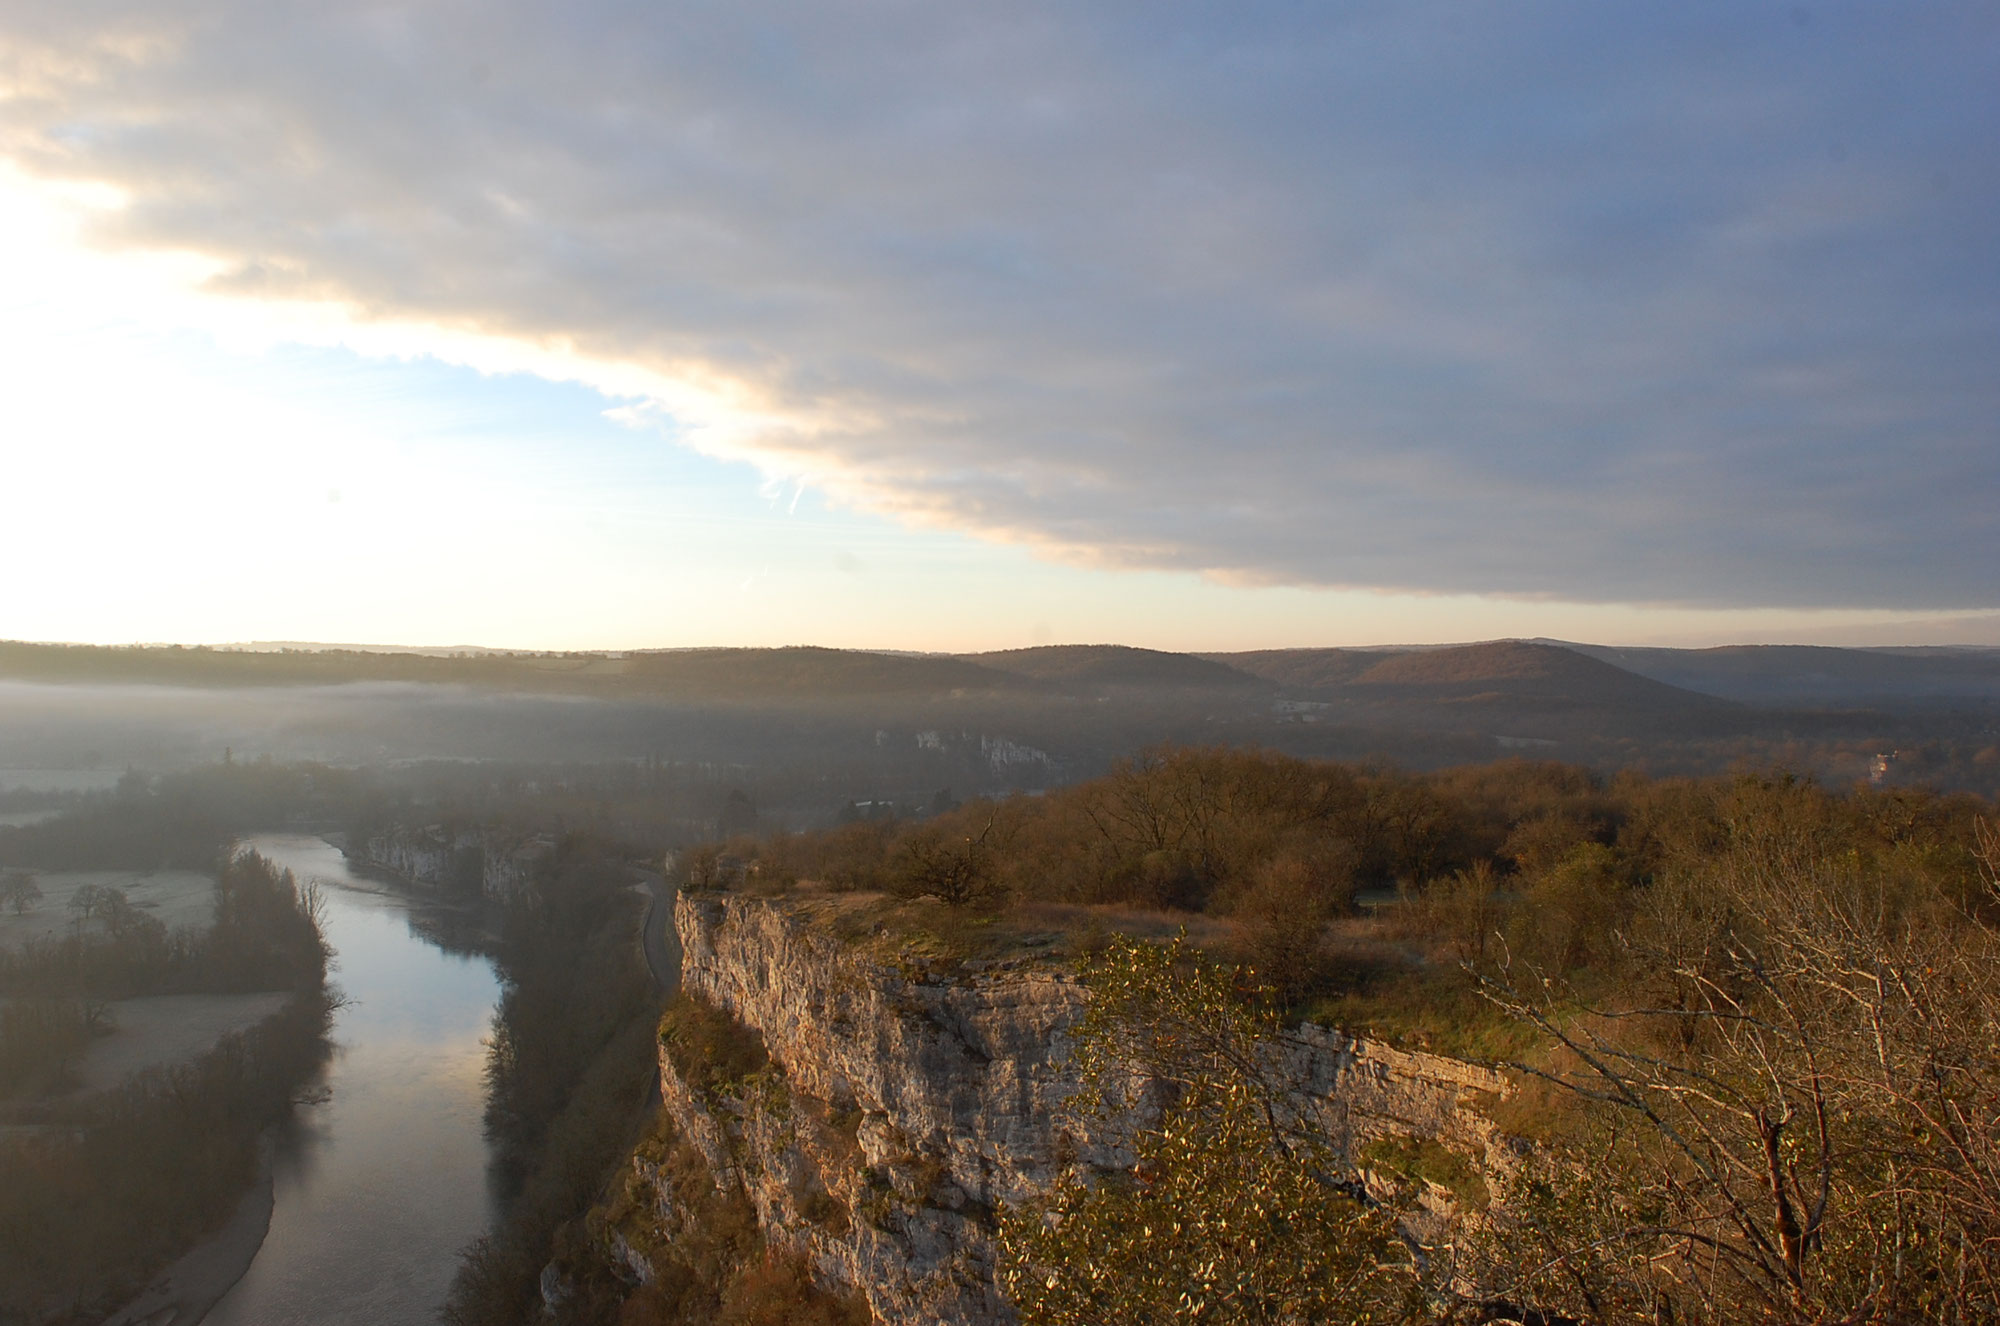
column 805, row 731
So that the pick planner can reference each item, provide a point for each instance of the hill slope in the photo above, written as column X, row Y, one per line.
column 1114, row 666
column 1516, row 665
column 1804, row 674
column 1501, row 686
column 1306, row 669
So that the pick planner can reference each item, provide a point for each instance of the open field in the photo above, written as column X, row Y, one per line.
column 58, row 780
column 173, row 897
column 157, row 1031
column 15, row 819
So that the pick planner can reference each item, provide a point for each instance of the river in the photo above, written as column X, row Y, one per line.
column 380, row 1184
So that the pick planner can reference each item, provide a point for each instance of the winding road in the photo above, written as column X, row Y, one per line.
column 662, row 944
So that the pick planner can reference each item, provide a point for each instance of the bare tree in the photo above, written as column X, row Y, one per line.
column 1803, row 1127
column 19, row 890
column 954, row 870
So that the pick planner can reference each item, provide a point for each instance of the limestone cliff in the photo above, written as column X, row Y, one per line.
column 481, row 861
column 901, row 1104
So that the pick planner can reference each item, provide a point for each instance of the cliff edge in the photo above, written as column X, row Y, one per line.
column 898, row 1103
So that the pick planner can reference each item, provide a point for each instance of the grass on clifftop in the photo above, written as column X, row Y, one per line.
column 1371, row 984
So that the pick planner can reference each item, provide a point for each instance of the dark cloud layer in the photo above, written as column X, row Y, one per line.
column 1690, row 303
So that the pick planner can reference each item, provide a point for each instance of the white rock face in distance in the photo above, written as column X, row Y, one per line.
column 438, row 856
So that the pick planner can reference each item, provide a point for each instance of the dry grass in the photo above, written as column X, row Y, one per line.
column 1373, row 979
column 889, row 928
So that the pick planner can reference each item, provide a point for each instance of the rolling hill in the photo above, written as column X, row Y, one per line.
column 1815, row 674
column 1306, row 669
column 1116, row 666
column 1523, row 687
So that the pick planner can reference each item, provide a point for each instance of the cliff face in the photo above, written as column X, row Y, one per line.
column 481, row 861
column 900, row 1107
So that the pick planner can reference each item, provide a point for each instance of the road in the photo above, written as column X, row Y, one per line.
column 656, row 932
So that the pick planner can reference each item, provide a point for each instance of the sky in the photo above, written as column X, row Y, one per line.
column 877, row 324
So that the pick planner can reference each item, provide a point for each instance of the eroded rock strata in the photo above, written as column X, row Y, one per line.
column 902, row 1103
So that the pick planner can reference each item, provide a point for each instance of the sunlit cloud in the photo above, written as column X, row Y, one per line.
column 1485, row 312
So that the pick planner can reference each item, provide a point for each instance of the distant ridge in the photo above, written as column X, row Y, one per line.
column 1306, row 669
column 1538, row 678
column 806, row 671
column 1793, row 674
column 702, row 674
column 326, row 647
column 1114, row 665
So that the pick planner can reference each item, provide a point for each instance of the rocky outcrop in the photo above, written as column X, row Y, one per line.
column 903, row 1103
column 482, row 861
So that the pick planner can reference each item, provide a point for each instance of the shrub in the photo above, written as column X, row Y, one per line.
column 777, row 1289
column 711, row 1050
column 937, row 862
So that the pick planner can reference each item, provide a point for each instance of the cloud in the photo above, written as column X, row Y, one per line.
column 1688, row 306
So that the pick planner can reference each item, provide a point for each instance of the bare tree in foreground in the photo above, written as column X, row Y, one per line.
column 1801, row 1125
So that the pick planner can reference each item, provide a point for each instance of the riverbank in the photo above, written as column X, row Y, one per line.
column 186, row 1291
column 183, row 1294
column 174, row 1169
column 457, row 924
column 124, row 1178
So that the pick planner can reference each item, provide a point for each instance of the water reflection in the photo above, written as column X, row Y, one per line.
column 381, row 1184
